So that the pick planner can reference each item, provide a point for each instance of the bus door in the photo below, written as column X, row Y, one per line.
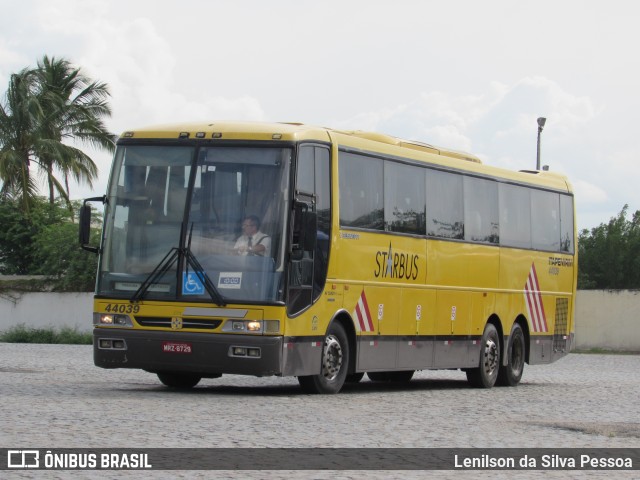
column 311, row 228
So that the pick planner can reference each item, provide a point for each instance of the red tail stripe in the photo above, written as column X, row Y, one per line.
column 359, row 316
column 367, row 312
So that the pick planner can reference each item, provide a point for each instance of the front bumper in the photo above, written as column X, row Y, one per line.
column 201, row 353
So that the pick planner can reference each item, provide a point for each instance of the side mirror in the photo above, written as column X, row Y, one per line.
column 84, row 232
column 305, row 224
column 309, row 230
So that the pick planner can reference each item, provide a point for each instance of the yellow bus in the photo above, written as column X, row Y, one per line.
column 291, row 250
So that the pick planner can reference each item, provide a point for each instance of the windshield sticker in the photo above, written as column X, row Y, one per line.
column 191, row 284
column 230, row 280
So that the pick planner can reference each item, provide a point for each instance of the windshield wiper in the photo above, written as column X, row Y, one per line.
column 162, row 268
column 200, row 272
column 165, row 265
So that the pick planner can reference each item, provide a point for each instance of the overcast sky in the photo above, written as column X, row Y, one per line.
column 470, row 75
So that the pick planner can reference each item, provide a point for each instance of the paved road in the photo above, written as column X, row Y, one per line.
column 53, row 397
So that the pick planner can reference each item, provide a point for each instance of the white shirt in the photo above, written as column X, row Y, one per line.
column 259, row 238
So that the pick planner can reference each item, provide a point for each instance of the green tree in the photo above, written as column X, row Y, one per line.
column 45, row 242
column 44, row 108
column 19, row 230
column 57, row 255
column 609, row 254
column 18, row 139
column 73, row 107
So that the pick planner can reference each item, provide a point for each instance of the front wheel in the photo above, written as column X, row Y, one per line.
column 335, row 363
column 486, row 374
column 179, row 380
column 511, row 373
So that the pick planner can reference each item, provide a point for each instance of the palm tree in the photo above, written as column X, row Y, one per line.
column 44, row 108
column 73, row 108
column 18, row 116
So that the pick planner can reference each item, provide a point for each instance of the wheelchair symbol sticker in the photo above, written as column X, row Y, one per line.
column 191, row 284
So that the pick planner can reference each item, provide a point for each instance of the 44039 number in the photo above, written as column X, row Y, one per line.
column 122, row 308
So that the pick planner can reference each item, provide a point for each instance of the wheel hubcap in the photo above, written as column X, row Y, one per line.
column 517, row 357
column 332, row 358
column 490, row 357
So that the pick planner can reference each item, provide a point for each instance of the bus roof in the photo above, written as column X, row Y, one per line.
column 363, row 140
column 231, row 131
column 282, row 131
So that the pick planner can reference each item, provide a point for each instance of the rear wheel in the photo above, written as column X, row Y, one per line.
column 486, row 374
column 179, row 380
column 511, row 373
column 402, row 376
column 335, row 362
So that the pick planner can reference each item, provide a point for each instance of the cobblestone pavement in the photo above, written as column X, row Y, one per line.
column 54, row 397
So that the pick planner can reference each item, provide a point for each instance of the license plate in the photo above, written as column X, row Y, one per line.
column 176, row 347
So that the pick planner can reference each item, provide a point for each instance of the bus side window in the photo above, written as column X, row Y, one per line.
column 566, row 224
column 545, row 219
column 515, row 220
column 362, row 178
column 481, row 210
column 445, row 211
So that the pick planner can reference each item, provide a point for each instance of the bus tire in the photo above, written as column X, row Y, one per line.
column 334, row 363
column 486, row 374
column 511, row 373
column 401, row 376
column 179, row 380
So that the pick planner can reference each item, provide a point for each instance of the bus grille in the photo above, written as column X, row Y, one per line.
column 560, row 332
column 166, row 322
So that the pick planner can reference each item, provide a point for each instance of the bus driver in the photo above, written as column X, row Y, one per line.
column 252, row 241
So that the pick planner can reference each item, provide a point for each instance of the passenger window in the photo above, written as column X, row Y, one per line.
column 445, row 217
column 480, row 210
column 404, row 198
column 545, row 220
column 515, row 216
column 361, row 191
column 566, row 224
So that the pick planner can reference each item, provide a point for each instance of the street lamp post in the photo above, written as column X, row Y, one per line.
column 541, row 122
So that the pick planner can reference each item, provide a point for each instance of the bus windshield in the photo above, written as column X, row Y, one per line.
column 225, row 205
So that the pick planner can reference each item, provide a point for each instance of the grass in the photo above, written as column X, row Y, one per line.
column 65, row 335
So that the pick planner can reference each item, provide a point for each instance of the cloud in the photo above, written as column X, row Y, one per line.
column 588, row 193
column 139, row 64
column 499, row 124
column 500, row 127
column 9, row 55
column 376, row 68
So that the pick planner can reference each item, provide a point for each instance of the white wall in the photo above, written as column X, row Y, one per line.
column 608, row 319
column 46, row 309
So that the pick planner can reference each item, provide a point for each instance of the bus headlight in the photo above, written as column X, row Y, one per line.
column 112, row 320
column 252, row 326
